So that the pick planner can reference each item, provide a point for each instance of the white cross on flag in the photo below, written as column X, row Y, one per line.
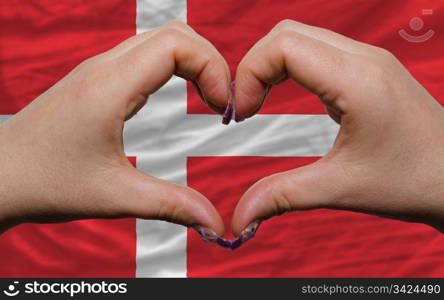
column 177, row 138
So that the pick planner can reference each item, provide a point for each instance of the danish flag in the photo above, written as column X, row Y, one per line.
column 177, row 138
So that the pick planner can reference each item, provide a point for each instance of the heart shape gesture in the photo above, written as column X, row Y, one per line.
column 388, row 158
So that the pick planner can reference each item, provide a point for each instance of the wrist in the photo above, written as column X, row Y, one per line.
column 9, row 192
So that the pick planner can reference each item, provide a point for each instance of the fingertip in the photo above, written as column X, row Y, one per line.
column 152, row 198
column 250, row 94
column 215, row 96
column 198, row 210
column 239, row 221
column 252, row 207
column 317, row 185
column 209, row 216
column 214, row 85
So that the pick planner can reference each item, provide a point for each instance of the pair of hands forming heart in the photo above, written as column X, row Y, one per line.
column 62, row 157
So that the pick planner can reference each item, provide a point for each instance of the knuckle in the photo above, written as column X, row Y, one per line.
column 144, row 35
column 180, row 26
column 88, row 81
column 284, row 24
column 281, row 204
column 386, row 57
column 171, row 35
column 286, row 39
column 380, row 71
column 174, row 210
column 166, row 211
column 91, row 64
column 171, row 31
column 379, row 76
column 282, row 201
column 177, row 24
column 324, row 31
column 87, row 64
column 373, row 70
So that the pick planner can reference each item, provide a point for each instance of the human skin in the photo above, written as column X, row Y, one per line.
column 388, row 157
column 62, row 157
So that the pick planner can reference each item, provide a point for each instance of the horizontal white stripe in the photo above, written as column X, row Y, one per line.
column 162, row 145
column 262, row 135
column 162, row 135
column 162, row 130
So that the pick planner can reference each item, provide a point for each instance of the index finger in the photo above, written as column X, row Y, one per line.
column 147, row 61
column 314, row 64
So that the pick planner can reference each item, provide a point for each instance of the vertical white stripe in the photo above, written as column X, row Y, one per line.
column 161, row 246
column 162, row 135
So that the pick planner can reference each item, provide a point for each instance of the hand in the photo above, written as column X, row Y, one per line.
column 62, row 156
column 388, row 157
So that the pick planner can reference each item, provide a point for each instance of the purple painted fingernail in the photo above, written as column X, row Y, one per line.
column 237, row 118
column 228, row 114
column 224, row 243
column 206, row 234
column 250, row 231
column 210, row 236
column 236, row 243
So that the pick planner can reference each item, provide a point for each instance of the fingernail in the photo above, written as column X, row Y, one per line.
column 224, row 243
column 210, row 236
column 231, row 92
column 247, row 234
column 228, row 114
column 236, row 243
column 206, row 234
column 250, row 231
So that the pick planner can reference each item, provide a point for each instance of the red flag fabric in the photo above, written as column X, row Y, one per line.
column 315, row 243
column 41, row 41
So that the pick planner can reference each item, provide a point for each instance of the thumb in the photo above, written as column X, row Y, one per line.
column 134, row 194
column 309, row 187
